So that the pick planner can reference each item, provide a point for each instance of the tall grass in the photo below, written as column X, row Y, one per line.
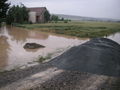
column 79, row 29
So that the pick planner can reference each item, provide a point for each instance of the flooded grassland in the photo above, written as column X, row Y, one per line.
column 12, row 40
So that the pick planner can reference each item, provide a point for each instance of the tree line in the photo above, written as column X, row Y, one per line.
column 19, row 14
column 55, row 18
column 4, row 6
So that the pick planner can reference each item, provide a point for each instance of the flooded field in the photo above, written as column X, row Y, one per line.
column 115, row 37
column 12, row 40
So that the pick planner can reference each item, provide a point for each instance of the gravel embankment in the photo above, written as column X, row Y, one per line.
column 12, row 76
column 93, row 65
column 47, row 77
column 79, row 81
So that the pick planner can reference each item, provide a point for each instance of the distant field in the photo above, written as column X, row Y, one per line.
column 79, row 29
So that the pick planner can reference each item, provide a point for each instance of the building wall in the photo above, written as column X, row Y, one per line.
column 41, row 18
column 32, row 17
column 36, row 15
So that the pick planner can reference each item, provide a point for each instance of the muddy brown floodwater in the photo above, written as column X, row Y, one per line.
column 12, row 40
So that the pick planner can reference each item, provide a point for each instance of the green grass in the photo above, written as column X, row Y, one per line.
column 43, row 58
column 79, row 29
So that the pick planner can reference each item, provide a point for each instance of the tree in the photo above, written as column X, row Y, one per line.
column 17, row 14
column 62, row 19
column 54, row 18
column 4, row 6
column 47, row 16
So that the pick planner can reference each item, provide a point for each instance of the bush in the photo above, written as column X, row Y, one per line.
column 65, row 21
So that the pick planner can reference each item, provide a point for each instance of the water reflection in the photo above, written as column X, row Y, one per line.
column 21, row 35
column 13, row 39
column 115, row 37
column 4, row 46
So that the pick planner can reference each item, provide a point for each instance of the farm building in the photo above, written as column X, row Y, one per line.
column 36, row 15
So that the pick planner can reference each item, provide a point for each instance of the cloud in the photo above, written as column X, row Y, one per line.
column 92, row 8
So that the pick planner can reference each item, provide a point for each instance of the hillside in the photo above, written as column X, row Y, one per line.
column 82, row 18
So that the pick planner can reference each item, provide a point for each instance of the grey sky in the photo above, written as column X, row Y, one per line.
column 90, row 8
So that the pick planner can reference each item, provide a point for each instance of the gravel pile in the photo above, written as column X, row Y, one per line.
column 98, row 56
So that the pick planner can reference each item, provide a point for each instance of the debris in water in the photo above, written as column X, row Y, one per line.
column 33, row 46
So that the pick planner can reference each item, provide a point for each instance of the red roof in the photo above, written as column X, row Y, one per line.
column 38, row 10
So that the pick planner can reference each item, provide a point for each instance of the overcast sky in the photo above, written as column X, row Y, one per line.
column 90, row 8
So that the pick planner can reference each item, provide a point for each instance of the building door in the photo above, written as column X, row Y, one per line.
column 37, row 19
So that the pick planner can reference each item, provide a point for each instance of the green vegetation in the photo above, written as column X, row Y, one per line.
column 17, row 14
column 4, row 6
column 79, row 29
column 43, row 58
column 55, row 18
column 47, row 16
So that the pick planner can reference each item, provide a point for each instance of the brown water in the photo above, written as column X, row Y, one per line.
column 12, row 40
column 115, row 37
